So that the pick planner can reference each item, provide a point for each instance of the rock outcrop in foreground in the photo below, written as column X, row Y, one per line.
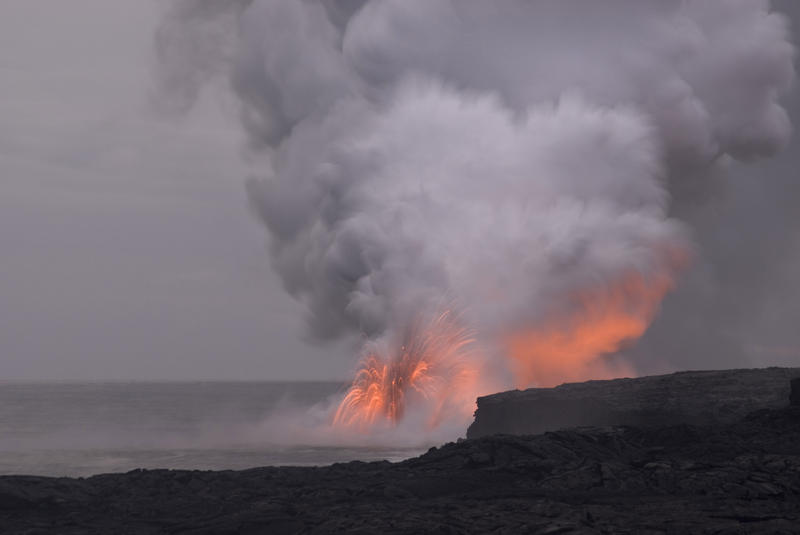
column 696, row 397
column 737, row 477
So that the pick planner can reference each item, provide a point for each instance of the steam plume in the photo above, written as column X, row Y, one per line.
column 514, row 160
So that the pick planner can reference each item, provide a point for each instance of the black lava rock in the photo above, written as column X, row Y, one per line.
column 696, row 397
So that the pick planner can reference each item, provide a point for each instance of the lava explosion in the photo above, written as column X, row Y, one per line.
column 518, row 157
column 435, row 362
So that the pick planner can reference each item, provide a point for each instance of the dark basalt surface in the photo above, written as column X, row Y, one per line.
column 732, row 478
column 696, row 397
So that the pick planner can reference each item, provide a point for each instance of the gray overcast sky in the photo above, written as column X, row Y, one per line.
column 128, row 251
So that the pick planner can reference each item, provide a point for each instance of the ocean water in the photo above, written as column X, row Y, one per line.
column 80, row 429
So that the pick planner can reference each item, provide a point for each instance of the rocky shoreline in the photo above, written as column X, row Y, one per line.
column 741, row 476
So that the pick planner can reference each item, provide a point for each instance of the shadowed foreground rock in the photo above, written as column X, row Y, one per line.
column 739, row 478
column 733, row 478
column 696, row 397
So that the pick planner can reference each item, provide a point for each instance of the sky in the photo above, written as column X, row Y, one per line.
column 129, row 251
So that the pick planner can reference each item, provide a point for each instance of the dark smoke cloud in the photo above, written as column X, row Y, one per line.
column 739, row 304
column 500, row 156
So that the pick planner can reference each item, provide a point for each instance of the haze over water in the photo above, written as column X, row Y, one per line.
column 80, row 429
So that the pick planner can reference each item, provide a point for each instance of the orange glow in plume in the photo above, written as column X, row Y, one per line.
column 601, row 321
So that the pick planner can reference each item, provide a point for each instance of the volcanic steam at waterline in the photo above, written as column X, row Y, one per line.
column 509, row 161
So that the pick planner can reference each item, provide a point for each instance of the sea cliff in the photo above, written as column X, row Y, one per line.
column 689, row 397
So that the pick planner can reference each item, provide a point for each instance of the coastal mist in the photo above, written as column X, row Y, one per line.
column 85, row 428
column 484, row 194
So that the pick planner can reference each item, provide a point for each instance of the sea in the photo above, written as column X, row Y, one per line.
column 82, row 429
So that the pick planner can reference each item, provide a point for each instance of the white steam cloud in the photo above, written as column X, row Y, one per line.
column 497, row 157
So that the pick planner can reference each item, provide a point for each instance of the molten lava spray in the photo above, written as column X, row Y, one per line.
column 433, row 363
column 515, row 157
